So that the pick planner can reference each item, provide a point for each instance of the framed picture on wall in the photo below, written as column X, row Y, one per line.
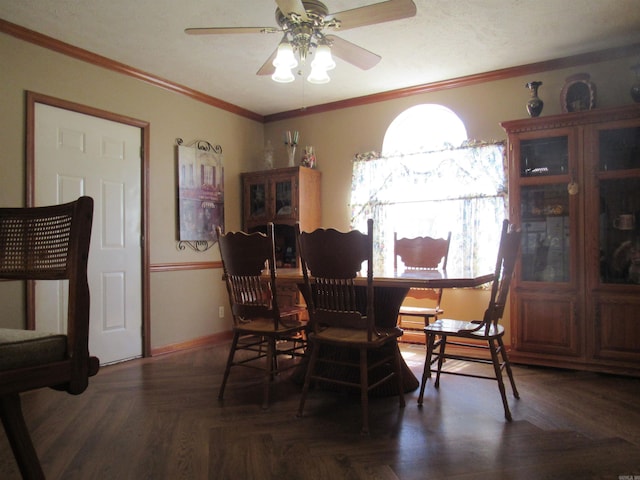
column 200, row 191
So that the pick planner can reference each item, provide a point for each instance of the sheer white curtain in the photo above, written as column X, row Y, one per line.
column 462, row 190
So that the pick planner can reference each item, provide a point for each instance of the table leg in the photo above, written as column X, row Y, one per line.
column 387, row 305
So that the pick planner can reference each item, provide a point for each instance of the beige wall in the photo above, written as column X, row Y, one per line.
column 337, row 136
column 184, row 304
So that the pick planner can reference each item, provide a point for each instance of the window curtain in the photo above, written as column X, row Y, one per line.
column 462, row 190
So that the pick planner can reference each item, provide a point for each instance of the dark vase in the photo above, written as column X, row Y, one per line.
column 534, row 105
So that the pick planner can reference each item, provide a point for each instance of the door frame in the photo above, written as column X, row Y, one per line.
column 33, row 98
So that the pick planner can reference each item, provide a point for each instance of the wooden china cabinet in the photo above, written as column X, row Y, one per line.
column 574, row 189
column 283, row 196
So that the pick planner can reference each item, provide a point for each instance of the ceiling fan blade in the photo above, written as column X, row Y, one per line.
column 292, row 6
column 267, row 68
column 376, row 13
column 227, row 30
column 352, row 53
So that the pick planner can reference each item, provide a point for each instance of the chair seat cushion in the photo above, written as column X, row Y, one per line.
column 354, row 337
column 421, row 311
column 28, row 348
column 457, row 327
column 265, row 326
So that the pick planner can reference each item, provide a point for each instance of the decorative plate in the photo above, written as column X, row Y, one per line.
column 578, row 93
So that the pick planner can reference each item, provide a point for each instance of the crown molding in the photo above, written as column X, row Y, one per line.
column 518, row 71
column 95, row 59
column 104, row 62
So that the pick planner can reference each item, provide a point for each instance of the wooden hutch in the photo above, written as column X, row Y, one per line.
column 283, row 196
column 574, row 189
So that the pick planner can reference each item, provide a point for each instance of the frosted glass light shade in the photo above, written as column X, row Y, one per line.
column 318, row 75
column 323, row 58
column 282, row 75
column 285, row 57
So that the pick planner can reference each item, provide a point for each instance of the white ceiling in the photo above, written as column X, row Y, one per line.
column 445, row 40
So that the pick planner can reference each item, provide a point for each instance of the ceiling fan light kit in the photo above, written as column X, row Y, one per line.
column 303, row 22
column 285, row 61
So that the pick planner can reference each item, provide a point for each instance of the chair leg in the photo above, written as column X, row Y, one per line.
column 274, row 365
column 227, row 369
column 270, row 369
column 274, row 357
column 19, row 438
column 307, row 378
column 426, row 372
column 443, row 345
column 364, row 390
column 427, row 319
column 507, row 364
column 498, row 371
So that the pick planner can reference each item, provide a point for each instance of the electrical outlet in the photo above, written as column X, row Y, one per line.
column 220, row 312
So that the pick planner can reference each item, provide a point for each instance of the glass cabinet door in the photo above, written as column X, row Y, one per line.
column 283, row 196
column 544, row 210
column 543, row 157
column 269, row 197
column 257, row 199
column 619, row 149
column 618, row 173
column 545, row 225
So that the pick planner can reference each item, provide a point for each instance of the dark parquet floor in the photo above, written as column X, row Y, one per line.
column 159, row 418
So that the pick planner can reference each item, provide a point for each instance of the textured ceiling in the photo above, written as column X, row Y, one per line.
column 446, row 39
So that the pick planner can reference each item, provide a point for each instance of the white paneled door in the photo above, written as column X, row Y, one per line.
column 78, row 154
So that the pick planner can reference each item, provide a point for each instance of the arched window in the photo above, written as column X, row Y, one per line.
column 430, row 180
column 424, row 128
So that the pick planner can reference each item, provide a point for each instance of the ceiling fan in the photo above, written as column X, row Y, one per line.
column 303, row 22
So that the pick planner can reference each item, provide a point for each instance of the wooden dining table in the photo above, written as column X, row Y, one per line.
column 390, row 290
